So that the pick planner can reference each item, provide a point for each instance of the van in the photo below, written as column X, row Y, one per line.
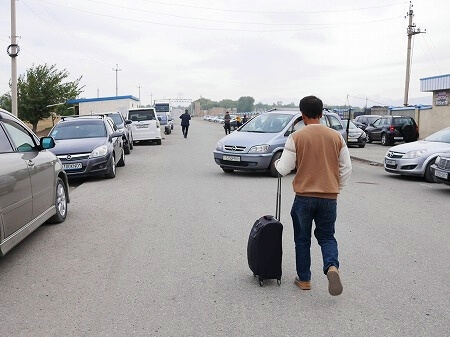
column 145, row 125
column 256, row 145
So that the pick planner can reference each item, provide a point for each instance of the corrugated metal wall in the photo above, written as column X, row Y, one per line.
column 435, row 83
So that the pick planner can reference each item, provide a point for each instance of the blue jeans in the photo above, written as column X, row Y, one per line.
column 323, row 212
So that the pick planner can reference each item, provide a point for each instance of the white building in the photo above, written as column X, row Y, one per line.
column 87, row 106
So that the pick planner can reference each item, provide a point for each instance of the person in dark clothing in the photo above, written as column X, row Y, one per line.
column 185, row 118
column 244, row 120
column 227, row 123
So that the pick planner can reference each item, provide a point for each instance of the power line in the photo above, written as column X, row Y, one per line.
column 210, row 20
column 325, row 26
column 273, row 12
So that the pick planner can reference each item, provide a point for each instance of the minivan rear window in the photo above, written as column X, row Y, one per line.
column 141, row 115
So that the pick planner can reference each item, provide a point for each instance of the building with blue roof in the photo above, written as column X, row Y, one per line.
column 87, row 106
column 439, row 116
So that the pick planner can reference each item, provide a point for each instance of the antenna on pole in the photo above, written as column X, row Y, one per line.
column 411, row 30
column 117, row 70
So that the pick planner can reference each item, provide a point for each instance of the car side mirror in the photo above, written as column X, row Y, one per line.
column 117, row 134
column 47, row 143
column 127, row 121
column 159, row 118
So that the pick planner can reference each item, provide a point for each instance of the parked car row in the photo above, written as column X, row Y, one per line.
column 34, row 172
column 33, row 183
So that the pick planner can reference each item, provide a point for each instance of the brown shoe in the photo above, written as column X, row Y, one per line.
column 334, row 281
column 303, row 285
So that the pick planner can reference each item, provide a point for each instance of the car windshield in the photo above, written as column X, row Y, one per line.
column 352, row 126
column 372, row 119
column 116, row 118
column 267, row 123
column 76, row 131
column 142, row 115
column 442, row 136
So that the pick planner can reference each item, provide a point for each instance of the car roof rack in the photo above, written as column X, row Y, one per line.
column 63, row 118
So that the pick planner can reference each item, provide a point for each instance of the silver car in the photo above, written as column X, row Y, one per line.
column 33, row 184
column 258, row 143
column 416, row 158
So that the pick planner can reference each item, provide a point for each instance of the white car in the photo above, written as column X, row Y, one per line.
column 145, row 125
column 416, row 158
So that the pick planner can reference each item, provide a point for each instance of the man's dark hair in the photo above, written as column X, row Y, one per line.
column 186, row 111
column 311, row 106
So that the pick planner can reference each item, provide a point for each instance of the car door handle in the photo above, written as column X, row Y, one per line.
column 30, row 163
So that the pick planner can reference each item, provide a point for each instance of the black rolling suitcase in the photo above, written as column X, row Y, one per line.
column 264, row 249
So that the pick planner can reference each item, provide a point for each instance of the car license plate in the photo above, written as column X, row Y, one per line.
column 231, row 158
column 72, row 166
column 352, row 140
column 439, row 174
column 389, row 162
column 141, row 126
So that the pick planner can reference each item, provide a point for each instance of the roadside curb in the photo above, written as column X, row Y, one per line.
column 362, row 160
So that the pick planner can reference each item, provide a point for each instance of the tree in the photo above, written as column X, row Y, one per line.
column 41, row 91
column 245, row 104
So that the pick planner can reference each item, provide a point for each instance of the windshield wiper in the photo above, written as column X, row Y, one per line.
column 256, row 131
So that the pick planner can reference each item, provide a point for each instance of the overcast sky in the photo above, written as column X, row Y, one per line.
column 270, row 50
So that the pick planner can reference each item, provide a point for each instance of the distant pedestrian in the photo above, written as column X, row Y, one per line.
column 238, row 121
column 227, row 123
column 323, row 165
column 244, row 119
column 185, row 118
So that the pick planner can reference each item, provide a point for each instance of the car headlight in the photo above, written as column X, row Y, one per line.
column 99, row 152
column 259, row 149
column 219, row 146
column 414, row 154
column 437, row 161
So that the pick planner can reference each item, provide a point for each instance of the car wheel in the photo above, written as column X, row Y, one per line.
column 158, row 142
column 408, row 133
column 384, row 140
column 227, row 170
column 60, row 203
column 126, row 148
column 171, row 127
column 131, row 142
column 272, row 169
column 362, row 145
column 368, row 140
column 121, row 162
column 112, row 172
column 428, row 174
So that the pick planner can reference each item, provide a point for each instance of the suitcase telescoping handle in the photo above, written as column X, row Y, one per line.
column 278, row 204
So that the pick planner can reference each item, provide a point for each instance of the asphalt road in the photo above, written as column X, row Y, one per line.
column 161, row 251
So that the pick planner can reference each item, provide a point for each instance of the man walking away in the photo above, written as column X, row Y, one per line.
column 323, row 165
column 185, row 118
column 226, row 124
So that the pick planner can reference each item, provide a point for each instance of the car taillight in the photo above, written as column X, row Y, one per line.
column 391, row 128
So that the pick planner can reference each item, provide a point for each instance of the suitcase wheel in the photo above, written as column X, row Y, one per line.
column 279, row 281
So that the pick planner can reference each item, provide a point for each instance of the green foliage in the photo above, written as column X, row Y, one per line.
column 245, row 104
column 5, row 102
column 228, row 104
column 42, row 90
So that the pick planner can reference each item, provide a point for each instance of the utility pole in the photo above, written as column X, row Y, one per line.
column 411, row 30
column 13, row 51
column 117, row 70
column 139, row 87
